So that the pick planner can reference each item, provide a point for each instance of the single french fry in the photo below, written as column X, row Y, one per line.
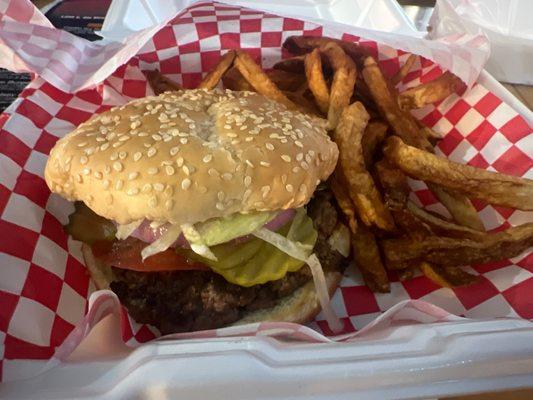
column 316, row 80
column 459, row 206
column 304, row 44
column 367, row 258
column 447, row 276
column 344, row 202
column 211, row 80
column 404, row 70
column 403, row 124
column 428, row 93
column 375, row 133
column 234, row 80
column 360, row 184
column 293, row 64
column 160, row 83
column 495, row 188
column 402, row 252
column 342, row 86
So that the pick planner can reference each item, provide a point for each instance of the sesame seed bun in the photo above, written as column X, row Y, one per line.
column 187, row 156
column 300, row 307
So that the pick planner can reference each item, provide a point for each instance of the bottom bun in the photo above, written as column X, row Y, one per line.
column 300, row 307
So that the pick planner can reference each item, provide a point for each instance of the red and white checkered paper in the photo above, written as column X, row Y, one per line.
column 44, row 286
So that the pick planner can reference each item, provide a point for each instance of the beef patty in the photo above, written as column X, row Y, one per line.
column 182, row 301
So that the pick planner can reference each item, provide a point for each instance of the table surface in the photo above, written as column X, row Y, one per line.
column 524, row 94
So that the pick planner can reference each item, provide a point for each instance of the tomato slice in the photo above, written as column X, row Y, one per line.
column 126, row 254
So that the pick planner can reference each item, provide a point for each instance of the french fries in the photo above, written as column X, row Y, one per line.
column 344, row 202
column 505, row 190
column 362, row 189
column 211, row 80
column 160, row 83
column 381, row 144
column 342, row 86
column 431, row 92
column 367, row 257
column 403, row 124
column 259, row 80
column 404, row 70
column 317, row 82
column 403, row 252
column 375, row 133
column 447, row 276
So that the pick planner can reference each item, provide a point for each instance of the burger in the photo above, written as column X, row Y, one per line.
column 205, row 208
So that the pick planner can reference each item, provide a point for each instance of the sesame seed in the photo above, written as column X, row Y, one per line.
column 250, row 164
column 284, row 178
column 169, row 190
column 137, row 156
column 142, row 134
column 174, row 150
column 122, row 155
column 264, row 163
column 151, row 152
column 227, row 127
column 186, row 184
column 179, row 161
column 295, row 169
column 269, row 146
column 117, row 144
column 183, row 140
column 124, row 138
column 169, row 204
column 86, row 171
column 232, row 135
column 303, row 188
column 159, row 186
column 119, row 185
column 249, row 139
column 152, row 170
column 213, row 172
column 247, row 194
column 247, row 180
column 227, row 176
column 83, row 160
column 289, row 188
column 100, row 139
column 304, row 165
column 265, row 190
column 98, row 175
column 299, row 157
column 147, row 188
column 152, row 202
column 169, row 169
column 286, row 158
column 219, row 206
column 132, row 191
column 82, row 144
column 156, row 137
column 308, row 158
column 117, row 166
column 133, row 175
column 113, row 157
column 221, row 195
column 186, row 170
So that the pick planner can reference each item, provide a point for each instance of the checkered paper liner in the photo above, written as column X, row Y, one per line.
column 44, row 286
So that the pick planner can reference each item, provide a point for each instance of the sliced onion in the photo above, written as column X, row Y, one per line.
column 281, row 219
column 124, row 231
column 294, row 249
column 163, row 243
column 340, row 240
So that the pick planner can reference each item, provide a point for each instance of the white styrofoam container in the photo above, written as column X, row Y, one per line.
column 412, row 361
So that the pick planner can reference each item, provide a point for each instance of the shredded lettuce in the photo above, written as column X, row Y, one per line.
column 124, row 231
column 163, row 243
column 224, row 229
column 197, row 242
column 340, row 240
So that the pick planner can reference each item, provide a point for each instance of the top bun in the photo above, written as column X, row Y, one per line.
column 187, row 156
